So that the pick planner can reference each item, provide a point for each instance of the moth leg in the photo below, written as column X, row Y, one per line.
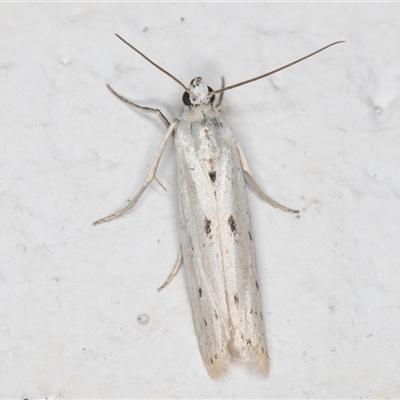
column 150, row 176
column 221, row 96
column 173, row 273
column 146, row 110
column 255, row 185
column 141, row 108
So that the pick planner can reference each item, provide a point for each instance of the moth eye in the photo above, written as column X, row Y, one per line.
column 212, row 98
column 186, row 99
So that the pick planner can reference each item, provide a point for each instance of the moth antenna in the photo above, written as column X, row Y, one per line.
column 152, row 62
column 272, row 72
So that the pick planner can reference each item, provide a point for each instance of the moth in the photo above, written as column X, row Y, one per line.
column 217, row 246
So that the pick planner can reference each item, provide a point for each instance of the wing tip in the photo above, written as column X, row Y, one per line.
column 217, row 369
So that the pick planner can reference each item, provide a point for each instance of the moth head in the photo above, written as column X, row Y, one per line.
column 197, row 94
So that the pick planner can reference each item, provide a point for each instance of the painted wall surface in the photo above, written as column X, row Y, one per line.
column 323, row 137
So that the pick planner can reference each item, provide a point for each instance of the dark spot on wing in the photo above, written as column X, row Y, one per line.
column 232, row 224
column 208, row 227
column 200, row 292
column 216, row 122
column 236, row 300
column 191, row 242
column 205, row 322
column 251, row 238
column 213, row 176
column 257, row 285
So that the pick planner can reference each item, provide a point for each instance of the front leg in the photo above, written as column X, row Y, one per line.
column 249, row 175
column 141, row 108
column 150, row 176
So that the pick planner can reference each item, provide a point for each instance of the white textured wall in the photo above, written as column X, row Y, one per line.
column 322, row 136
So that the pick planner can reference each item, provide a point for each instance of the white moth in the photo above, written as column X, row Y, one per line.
column 216, row 241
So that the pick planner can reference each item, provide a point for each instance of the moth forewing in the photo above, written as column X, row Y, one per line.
column 241, row 282
column 202, row 256
column 217, row 245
